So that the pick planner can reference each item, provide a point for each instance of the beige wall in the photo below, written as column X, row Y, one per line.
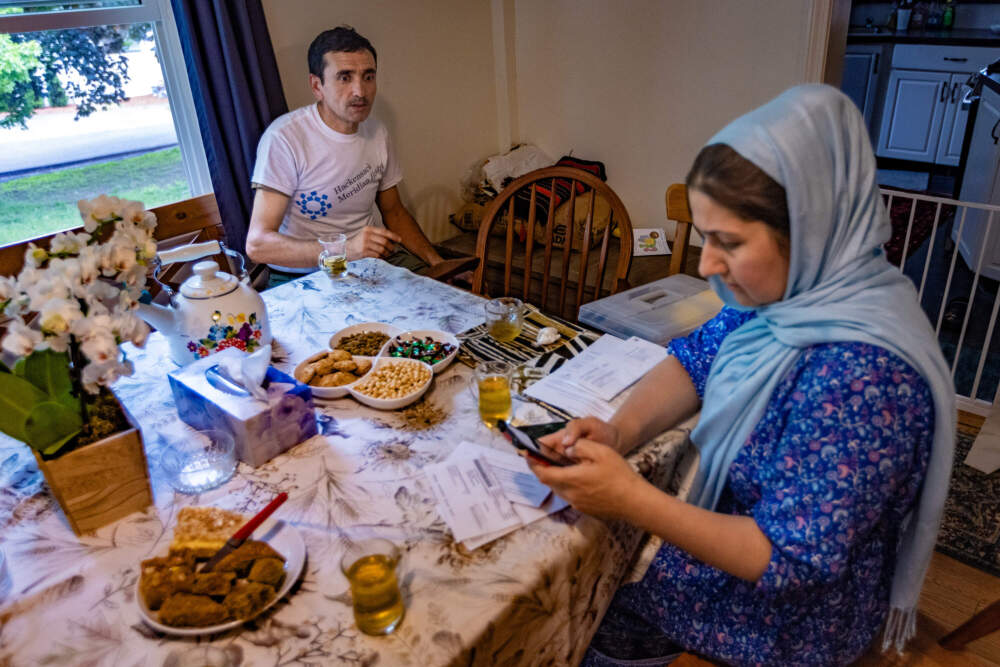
column 642, row 84
column 638, row 84
column 436, row 88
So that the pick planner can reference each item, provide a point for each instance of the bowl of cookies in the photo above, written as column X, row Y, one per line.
column 435, row 348
column 175, row 598
column 393, row 383
column 365, row 339
column 330, row 372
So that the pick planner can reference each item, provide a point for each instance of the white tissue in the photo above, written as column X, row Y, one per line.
column 249, row 371
column 546, row 336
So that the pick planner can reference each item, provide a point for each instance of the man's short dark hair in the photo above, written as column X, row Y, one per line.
column 342, row 39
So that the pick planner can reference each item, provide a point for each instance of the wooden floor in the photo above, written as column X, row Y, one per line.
column 952, row 593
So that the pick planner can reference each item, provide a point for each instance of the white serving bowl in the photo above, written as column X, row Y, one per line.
column 439, row 336
column 392, row 403
column 388, row 329
column 328, row 392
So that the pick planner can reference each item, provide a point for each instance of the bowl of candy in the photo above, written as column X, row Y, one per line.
column 437, row 349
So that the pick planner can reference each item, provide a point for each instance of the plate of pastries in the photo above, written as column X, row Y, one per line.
column 175, row 598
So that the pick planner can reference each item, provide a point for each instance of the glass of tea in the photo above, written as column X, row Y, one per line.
column 493, row 388
column 504, row 318
column 333, row 256
column 370, row 568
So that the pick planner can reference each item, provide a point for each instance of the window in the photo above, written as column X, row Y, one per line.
column 94, row 98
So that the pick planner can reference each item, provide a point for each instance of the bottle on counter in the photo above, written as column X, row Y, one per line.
column 948, row 17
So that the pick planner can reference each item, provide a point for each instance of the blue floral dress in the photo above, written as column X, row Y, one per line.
column 828, row 475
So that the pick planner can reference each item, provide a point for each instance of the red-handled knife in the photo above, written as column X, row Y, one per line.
column 241, row 535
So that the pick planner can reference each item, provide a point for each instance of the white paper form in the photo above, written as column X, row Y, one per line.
column 586, row 384
column 527, row 514
column 519, row 484
column 470, row 498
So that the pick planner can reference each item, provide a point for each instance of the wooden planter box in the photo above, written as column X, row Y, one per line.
column 100, row 482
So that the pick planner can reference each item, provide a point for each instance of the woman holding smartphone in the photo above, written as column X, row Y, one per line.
column 827, row 415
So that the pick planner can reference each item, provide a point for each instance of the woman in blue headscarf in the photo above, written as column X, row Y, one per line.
column 827, row 415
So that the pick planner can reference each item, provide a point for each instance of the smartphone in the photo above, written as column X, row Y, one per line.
column 534, row 449
column 537, row 431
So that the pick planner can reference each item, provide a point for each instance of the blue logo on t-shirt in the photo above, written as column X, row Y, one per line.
column 313, row 204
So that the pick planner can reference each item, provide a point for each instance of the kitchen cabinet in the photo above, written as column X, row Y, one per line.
column 922, row 119
column 914, row 113
column 981, row 185
column 863, row 80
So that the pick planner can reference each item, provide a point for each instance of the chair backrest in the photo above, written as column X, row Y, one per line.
column 193, row 220
column 679, row 213
column 576, row 262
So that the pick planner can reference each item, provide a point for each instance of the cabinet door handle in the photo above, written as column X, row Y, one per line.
column 943, row 97
column 954, row 92
column 993, row 132
column 956, row 60
column 875, row 64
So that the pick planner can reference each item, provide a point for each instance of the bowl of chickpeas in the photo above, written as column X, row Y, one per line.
column 393, row 383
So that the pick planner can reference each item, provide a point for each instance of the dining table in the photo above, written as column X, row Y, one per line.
column 532, row 597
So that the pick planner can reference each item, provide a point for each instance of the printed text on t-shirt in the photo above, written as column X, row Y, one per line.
column 359, row 181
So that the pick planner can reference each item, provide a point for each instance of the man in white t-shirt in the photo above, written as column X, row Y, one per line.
column 328, row 167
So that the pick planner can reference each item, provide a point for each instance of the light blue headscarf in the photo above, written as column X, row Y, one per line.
column 812, row 140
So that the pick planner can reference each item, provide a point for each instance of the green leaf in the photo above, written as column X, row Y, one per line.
column 50, row 424
column 18, row 397
column 56, row 446
column 19, row 367
column 49, row 371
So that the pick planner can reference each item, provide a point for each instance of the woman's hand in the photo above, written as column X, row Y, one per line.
column 601, row 483
column 590, row 428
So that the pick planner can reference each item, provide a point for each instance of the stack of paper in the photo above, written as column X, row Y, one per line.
column 586, row 384
column 485, row 493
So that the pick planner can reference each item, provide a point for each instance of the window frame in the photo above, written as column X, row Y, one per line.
column 168, row 44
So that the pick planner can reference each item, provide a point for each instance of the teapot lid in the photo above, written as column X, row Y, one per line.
column 208, row 282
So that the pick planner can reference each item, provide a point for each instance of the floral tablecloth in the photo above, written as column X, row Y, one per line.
column 532, row 597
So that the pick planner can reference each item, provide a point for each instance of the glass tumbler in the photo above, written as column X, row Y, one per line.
column 504, row 318
column 333, row 256
column 370, row 568
column 493, row 388
column 199, row 460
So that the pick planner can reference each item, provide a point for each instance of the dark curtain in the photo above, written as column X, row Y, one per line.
column 237, row 92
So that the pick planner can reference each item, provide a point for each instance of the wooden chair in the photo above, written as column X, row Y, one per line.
column 536, row 264
column 679, row 213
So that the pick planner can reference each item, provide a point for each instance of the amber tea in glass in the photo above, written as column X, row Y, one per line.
column 333, row 257
column 504, row 318
column 370, row 568
column 493, row 387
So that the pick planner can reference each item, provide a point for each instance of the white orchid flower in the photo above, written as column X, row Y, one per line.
column 56, row 343
column 20, row 340
column 116, row 257
column 58, row 315
column 99, row 347
column 66, row 243
column 8, row 288
column 35, row 256
column 148, row 221
column 49, row 286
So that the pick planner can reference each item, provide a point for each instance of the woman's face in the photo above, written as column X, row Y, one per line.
column 745, row 255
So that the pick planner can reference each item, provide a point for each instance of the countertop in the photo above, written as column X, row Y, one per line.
column 963, row 36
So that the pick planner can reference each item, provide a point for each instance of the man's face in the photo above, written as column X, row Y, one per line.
column 347, row 90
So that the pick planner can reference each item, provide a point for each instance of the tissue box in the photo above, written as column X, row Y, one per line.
column 261, row 430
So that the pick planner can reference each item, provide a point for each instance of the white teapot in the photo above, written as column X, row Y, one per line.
column 213, row 310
